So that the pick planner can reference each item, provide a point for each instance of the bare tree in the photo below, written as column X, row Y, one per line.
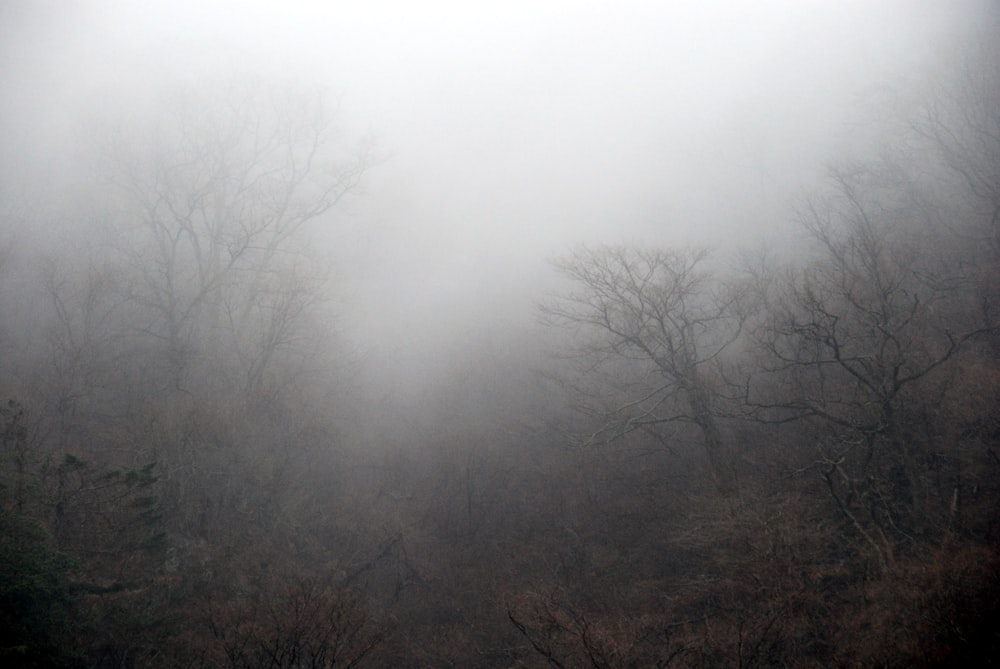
column 307, row 621
column 83, row 370
column 657, row 312
column 858, row 344
column 213, row 196
column 959, row 121
column 565, row 636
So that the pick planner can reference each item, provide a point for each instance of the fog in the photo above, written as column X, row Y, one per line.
column 507, row 133
column 521, row 334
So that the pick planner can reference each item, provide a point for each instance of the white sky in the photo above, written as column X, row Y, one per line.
column 514, row 129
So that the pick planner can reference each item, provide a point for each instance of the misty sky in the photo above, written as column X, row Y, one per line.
column 512, row 130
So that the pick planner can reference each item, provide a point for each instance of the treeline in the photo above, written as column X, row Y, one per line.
column 784, row 460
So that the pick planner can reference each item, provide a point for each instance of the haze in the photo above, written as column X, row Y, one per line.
column 510, row 131
column 587, row 333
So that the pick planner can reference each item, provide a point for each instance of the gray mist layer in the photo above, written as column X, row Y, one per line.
column 505, row 132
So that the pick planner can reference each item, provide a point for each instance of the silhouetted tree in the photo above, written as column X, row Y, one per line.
column 658, row 318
